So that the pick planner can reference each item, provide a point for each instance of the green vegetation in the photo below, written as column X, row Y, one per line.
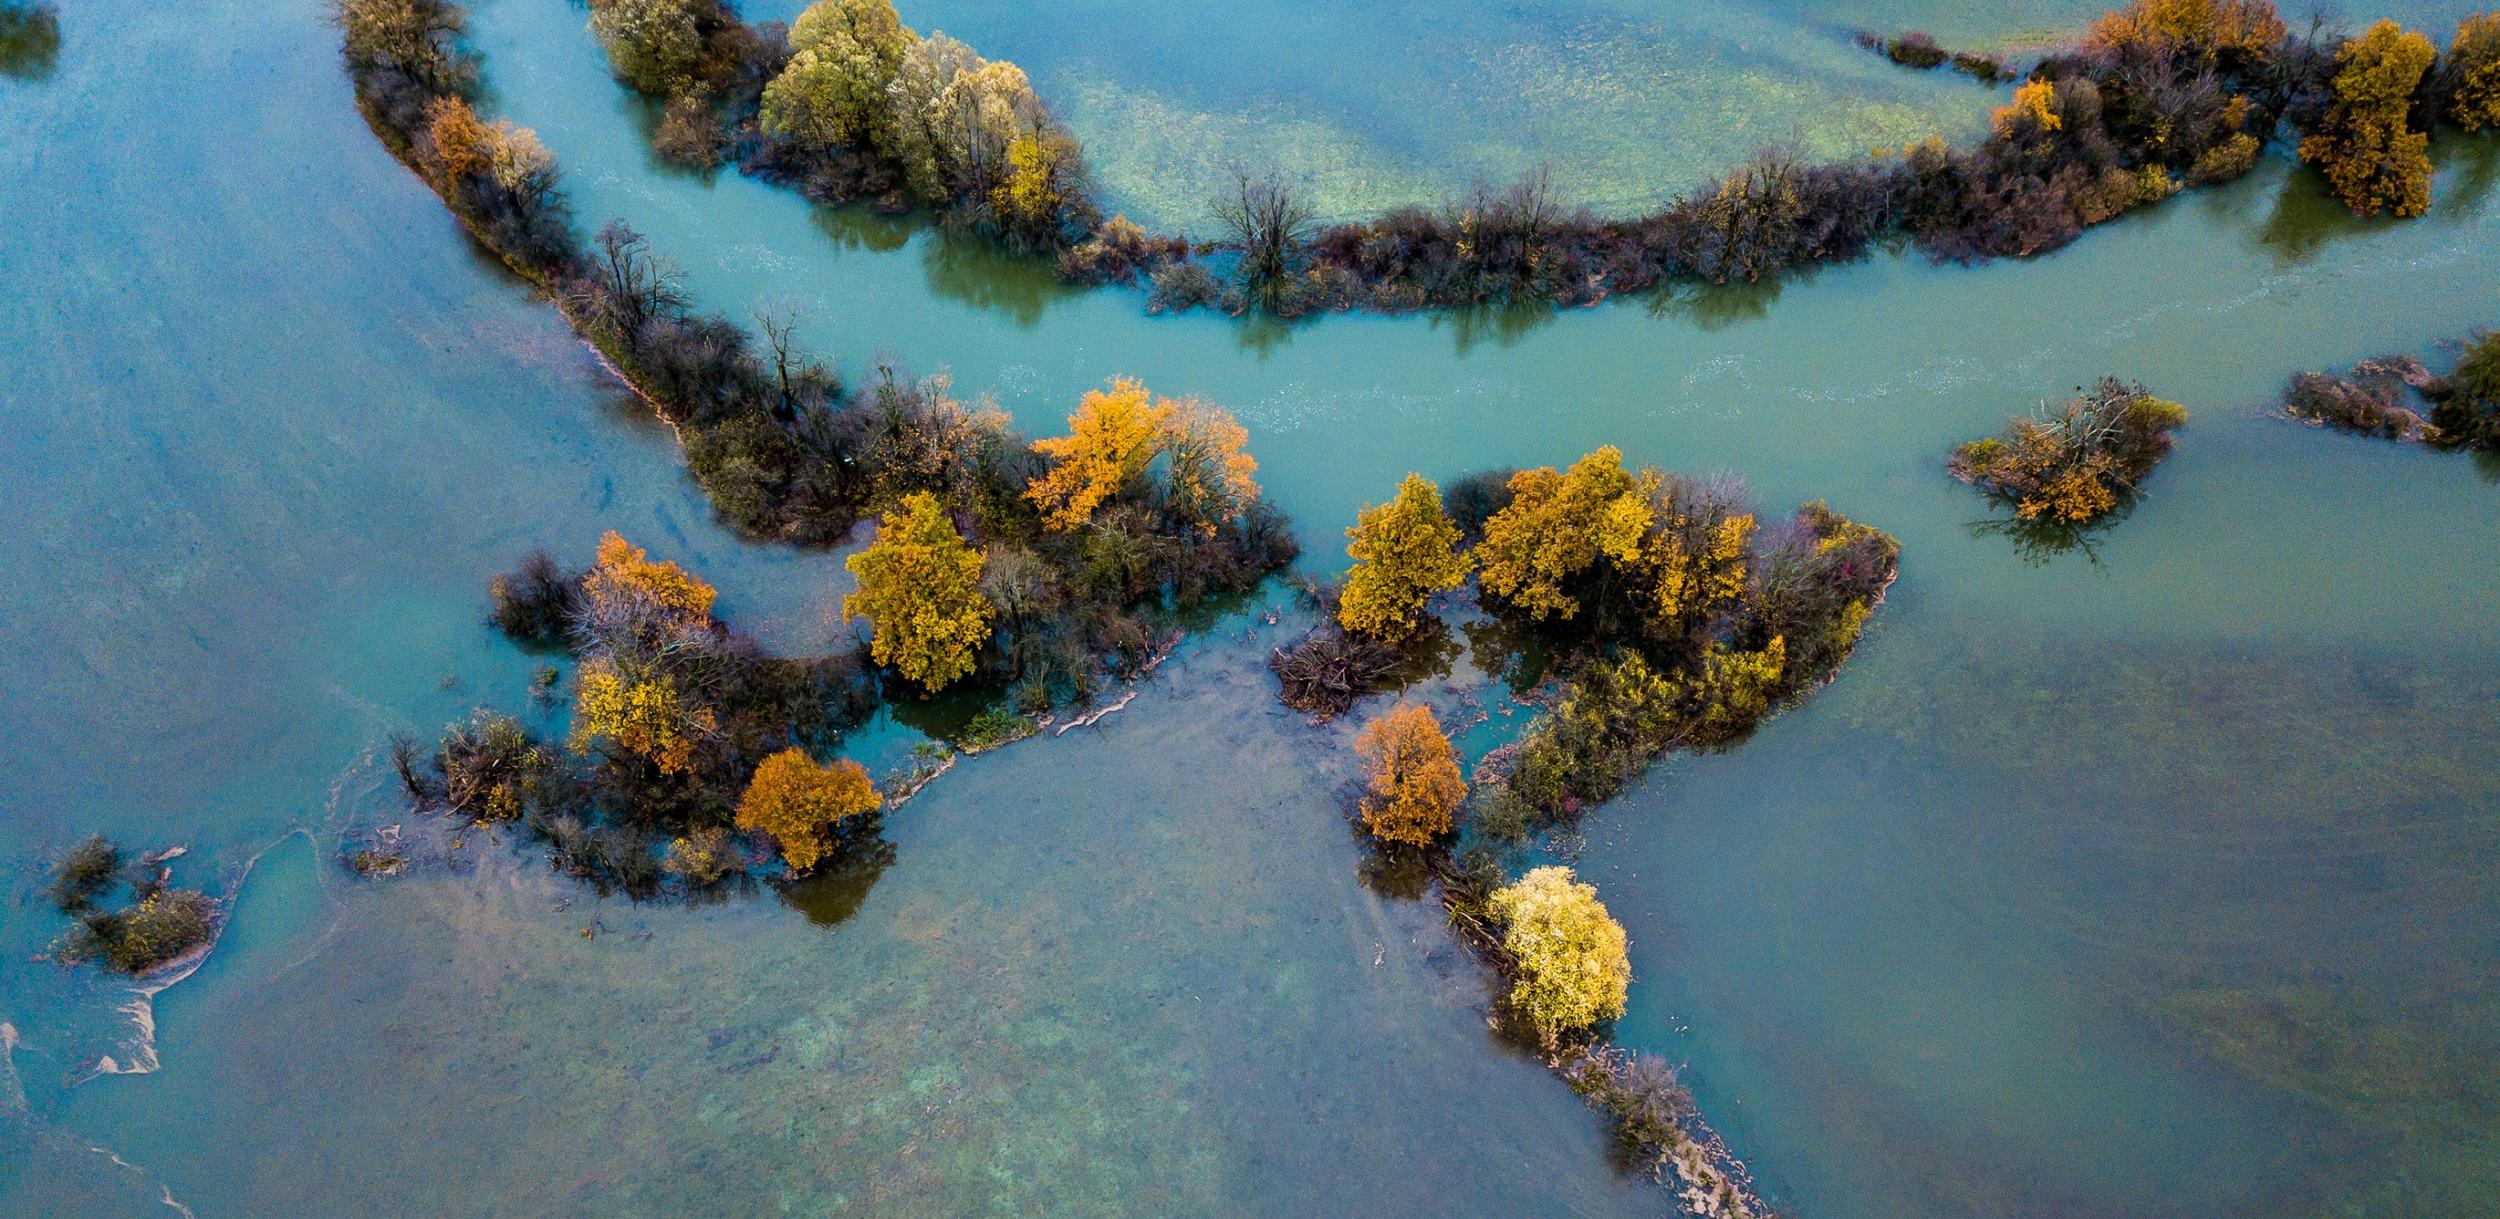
column 157, row 926
column 2078, row 462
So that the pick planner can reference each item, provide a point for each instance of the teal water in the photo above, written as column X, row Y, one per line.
column 2151, row 883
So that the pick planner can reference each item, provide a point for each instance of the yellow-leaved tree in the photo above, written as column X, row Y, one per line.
column 1574, row 969
column 1415, row 789
column 1111, row 440
column 2165, row 30
column 802, row 805
column 1694, row 562
column 2474, row 65
column 642, row 715
column 1404, row 551
column 2364, row 145
column 1557, row 525
column 1209, row 480
column 920, row 584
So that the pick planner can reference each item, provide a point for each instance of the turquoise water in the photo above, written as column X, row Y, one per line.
column 2151, row 882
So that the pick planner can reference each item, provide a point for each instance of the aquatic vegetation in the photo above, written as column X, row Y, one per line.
column 1404, row 551
column 2365, row 144
column 2078, row 461
column 159, row 925
column 802, row 806
column 2462, row 408
column 1568, row 954
column 1329, row 669
column 1414, row 789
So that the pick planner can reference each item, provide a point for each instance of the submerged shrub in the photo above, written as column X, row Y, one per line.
column 84, row 872
column 2365, row 404
column 535, row 601
column 702, row 858
column 1327, row 670
column 804, row 807
column 1414, row 787
column 2467, row 413
column 1572, row 967
column 2077, row 461
column 1914, row 50
column 160, row 924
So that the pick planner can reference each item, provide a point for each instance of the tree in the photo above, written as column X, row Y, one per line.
column 1404, row 551
column 833, row 93
column 642, row 713
column 1693, row 558
column 1111, row 439
column 1558, row 525
column 2163, row 30
column 1270, row 222
column 1573, row 967
column 652, row 45
column 1045, row 178
column 1415, row 788
column 802, row 805
column 418, row 39
column 920, row 583
column 624, row 570
column 1208, row 481
column 628, row 287
column 2473, row 71
column 2364, row 145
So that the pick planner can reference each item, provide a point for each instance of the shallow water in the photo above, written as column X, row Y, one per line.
column 2137, row 883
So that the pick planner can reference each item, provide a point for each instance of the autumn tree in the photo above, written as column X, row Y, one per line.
column 1111, row 439
column 2364, row 144
column 1557, row 525
column 920, row 584
column 2473, row 73
column 1404, row 551
column 1691, row 561
column 1207, row 479
column 641, row 712
column 1573, row 967
column 625, row 570
column 1414, row 784
column 1270, row 221
column 418, row 39
column 2162, row 31
column 844, row 54
column 802, row 805
column 652, row 45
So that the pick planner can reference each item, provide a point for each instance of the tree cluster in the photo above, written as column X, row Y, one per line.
column 2380, row 397
column 2077, row 461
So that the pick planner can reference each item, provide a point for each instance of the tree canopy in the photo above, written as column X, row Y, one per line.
column 802, row 805
column 1574, row 969
column 1404, row 551
column 920, row 584
column 1415, row 787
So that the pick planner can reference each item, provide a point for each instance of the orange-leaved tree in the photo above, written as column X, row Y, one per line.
column 623, row 570
column 1415, row 788
column 802, row 805
column 1404, row 551
column 920, row 584
column 1111, row 439
column 642, row 715
column 2474, row 71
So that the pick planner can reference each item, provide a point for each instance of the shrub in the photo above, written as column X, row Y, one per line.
column 30, row 40
column 489, row 768
column 1414, row 788
column 1404, row 551
column 1642, row 1093
column 1118, row 252
column 1914, row 50
column 2078, row 461
column 2367, row 405
column 690, row 134
column 2224, row 32
column 84, row 872
column 2364, row 144
column 1182, row 286
column 1572, row 967
column 804, row 807
column 702, row 858
column 1325, row 672
column 2467, row 412
column 534, row 601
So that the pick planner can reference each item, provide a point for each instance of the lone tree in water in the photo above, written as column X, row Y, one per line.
column 920, row 583
column 1269, row 222
column 1573, row 967
column 803, row 805
column 1415, row 787
column 2364, row 145
column 1404, row 551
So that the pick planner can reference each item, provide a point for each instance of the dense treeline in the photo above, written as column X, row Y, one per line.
column 2379, row 397
column 2159, row 95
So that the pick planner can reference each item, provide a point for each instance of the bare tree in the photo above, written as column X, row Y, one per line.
column 628, row 287
column 1270, row 222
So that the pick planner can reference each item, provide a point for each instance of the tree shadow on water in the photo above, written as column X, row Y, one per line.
column 832, row 894
column 2037, row 542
